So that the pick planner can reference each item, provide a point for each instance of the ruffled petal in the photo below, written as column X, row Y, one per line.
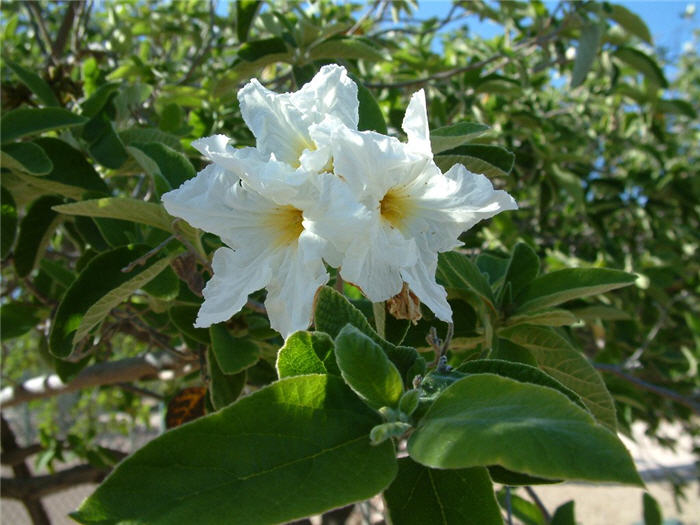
column 278, row 125
column 233, row 280
column 421, row 280
column 330, row 92
column 415, row 125
column 204, row 201
column 290, row 293
column 374, row 260
column 213, row 146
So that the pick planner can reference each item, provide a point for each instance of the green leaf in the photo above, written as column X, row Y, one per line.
column 245, row 13
column 409, row 402
column 494, row 267
column 26, row 156
column 492, row 161
column 104, row 305
column 333, row 312
column 258, row 49
column 600, row 311
column 458, row 273
column 520, row 372
column 71, row 170
column 233, row 354
column 677, row 107
column 586, row 52
column 103, row 94
column 35, row 83
column 183, row 317
column 306, row 436
column 21, row 122
column 630, row 22
column 171, row 164
column 164, row 286
column 652, row 510
column 523, row 267
column 127, row 209
column 570, row 283
column 371, row 117
column 643, row 63
column 449, row 137
column 307, row 353
column 17, row 319
column 421, row 496
column 556, row 317
column 224, row 389
column 146, row 135
column 563, row 362
column 58, row 272
column 486, row 419
column 343, row 47
column 8, row 222
column 564, row 514
column 35, row 231
column 366, row 368
column 99, row 277
column 104, row 143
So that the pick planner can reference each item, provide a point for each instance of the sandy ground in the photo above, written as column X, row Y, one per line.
column 594, row 504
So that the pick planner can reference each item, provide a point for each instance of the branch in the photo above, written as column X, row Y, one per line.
column 16, row 456
column 43, row 39
column 64, row 31
column 658, row 390
column 151, row 366
column 41, row 486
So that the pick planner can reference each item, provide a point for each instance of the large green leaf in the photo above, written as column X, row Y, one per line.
column 448, row 137
column 366, row 368
column 567, row 284
column 233, row 354
column 564, row 514
column 21, row 122
column 307, row 353
column 183, row 317
column 101, row 308
column 26, row 156
column 123, row 208
column 35, row 83
column 486, row 419
column 553, row 317
column 651, row 510
column 492, row 161
column 630, row 22
column 587, row 50
column 333, row 312
column 35, row 231
column 306, row 437
column 457, row 273
column 8, row 222
column 555, row 355
column 422, row 496
column 99, row 277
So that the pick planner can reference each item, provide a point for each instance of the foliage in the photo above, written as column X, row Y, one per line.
column 569, row 109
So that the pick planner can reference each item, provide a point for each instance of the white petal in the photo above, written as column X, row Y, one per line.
column 233, row 280
column 421, row 280
column 210, row 146
column 415, row 124
column 290, row 294
column 330, row 92
column 204, row 201
column 278, row 125
column 373, row 261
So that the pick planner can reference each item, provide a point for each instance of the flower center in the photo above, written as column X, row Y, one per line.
column 285, row 222
column 395, row 207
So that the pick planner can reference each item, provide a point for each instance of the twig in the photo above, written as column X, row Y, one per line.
column 538, row 502
column 661, row 391
column 44, row 39
column 365, row 16
column 204, row 50
column 144, row 258
column 66, row 25
column 141, row 391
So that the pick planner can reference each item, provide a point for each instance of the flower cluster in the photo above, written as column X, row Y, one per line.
column 317, row 191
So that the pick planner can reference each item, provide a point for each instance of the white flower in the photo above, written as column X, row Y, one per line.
column 411, row 211
column 262, row 202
